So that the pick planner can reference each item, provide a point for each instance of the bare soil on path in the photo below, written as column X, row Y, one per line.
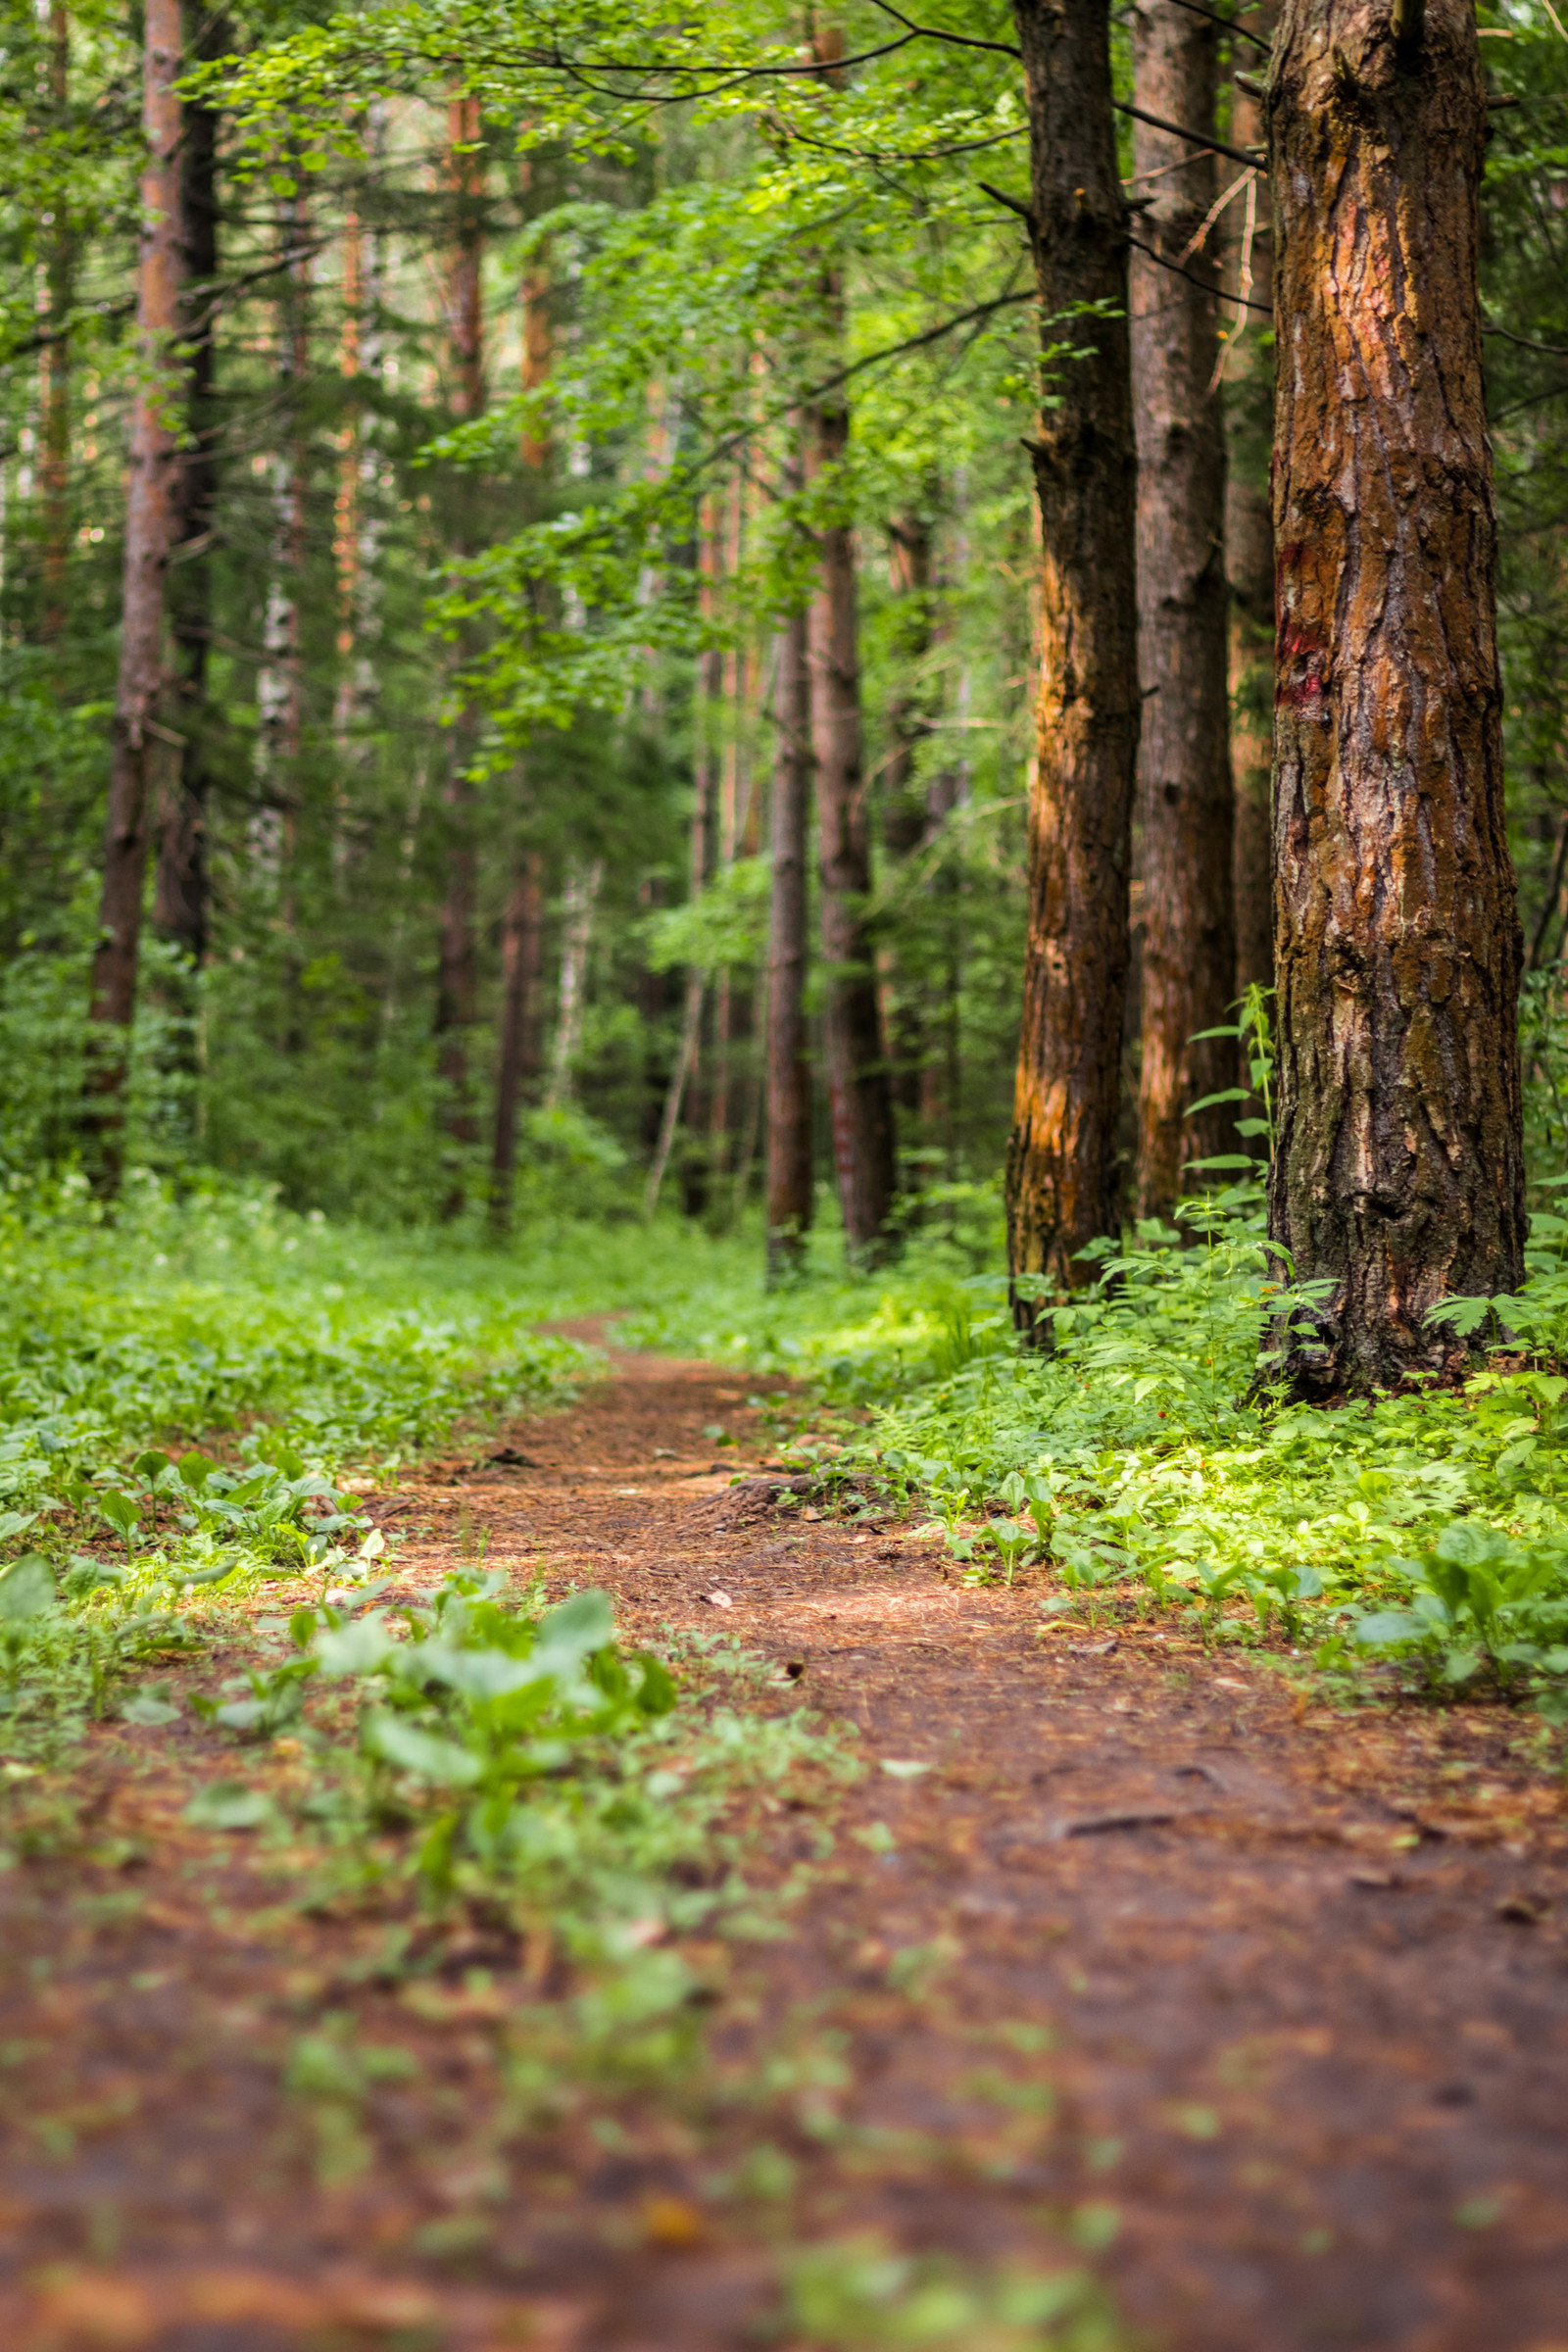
column 1257, row 2008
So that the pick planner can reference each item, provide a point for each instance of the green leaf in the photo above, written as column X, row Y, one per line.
column 144, row 1706
column 657, row 1693
column 27, row 1589
column 1389, row 1625
column 579, row 1625
column 358, row 1648
column 410, row 1749
column 227, row 1805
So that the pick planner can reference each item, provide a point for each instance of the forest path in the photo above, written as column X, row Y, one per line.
column 1262, row 2007
column 1306, row 1975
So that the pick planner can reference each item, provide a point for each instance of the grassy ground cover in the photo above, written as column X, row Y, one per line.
column 1426, row 1533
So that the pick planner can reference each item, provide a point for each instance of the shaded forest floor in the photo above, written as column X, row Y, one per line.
column 1158, row 1971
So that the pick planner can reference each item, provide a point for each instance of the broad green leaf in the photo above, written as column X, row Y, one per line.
column 227, row 1805
column 423, row 1754
column 27, row 1589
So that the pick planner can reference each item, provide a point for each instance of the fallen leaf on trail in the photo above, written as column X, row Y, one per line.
column 903, row 1768
column 1374, row 1879
column 672, row 2222
column 719, row 1600
column 1225, row 1681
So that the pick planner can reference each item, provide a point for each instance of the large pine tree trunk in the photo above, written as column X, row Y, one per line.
column 152, row 522
column 1399, row 1177
column 1063, row 1189
column 859, row 1095
column 789, row 1076
column 1249, row 259
column 1184, row 800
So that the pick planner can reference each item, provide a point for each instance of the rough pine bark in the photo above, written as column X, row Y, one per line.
column 1398, row 1178
column 1185, row 799
column 789, row 1076
column 1062, row 1188
column 1248, row 262
column 152, row 522
column 860, row 1098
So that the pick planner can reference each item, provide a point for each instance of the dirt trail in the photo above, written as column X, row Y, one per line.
column 1266, row 2005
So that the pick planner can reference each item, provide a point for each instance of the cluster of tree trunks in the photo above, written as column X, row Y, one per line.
column 1397, row 1179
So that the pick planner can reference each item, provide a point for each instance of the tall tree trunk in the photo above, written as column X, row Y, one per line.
column 859, row 1095
column 152, row 522
column 346, row 549
column 905, row 817
column 518, row 1062
column 579, row 900
column 280, row 684
column 518, row 1067
column 1399, row 1177
column 694, row 1160
column 1185, row 797
column 457, row 976
column 180, row 910
column 789, row 1076
column 1063, row 1190
column 55, row 389
column 1249, row 548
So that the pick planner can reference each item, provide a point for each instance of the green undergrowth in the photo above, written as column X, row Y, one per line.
column 1138, row 1462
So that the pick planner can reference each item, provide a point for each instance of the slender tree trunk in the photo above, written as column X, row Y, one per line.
column 859, row 1095
column 280, row 684
column 517, row 1068
column 180, row 908
column 905, row 817
column 55, row 389
column 1399, row 1177
column 579, row 901
column 152, row 522
column 1185, row 798
column 788, row 1077
column 457, row 976
column 1062, row 1188
column 1250, row 547
column 520, row 1062
column 695, row 1163
column 346, row 534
